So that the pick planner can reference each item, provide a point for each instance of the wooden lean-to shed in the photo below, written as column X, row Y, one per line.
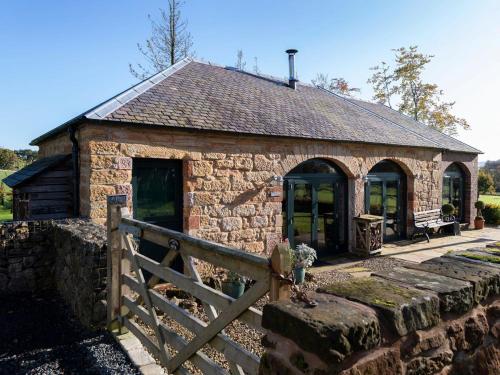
column 43, row 190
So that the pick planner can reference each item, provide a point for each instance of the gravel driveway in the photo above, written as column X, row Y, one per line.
column 39, row 336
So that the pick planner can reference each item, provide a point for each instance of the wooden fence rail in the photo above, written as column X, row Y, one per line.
column 126, row 268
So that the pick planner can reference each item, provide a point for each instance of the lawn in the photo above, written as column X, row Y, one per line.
column 5, row 210
column 490, row 199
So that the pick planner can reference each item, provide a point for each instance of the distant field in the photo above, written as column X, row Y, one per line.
column 5, row 212
column 490, row 199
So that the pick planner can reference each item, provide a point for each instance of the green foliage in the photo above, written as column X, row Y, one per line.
column 485, row 182
column 493, row 167
column 480, row 207
column 8, row 159
column 491, row 214
column 5, row 198
column 26, row 155
column 421, row 100
column 448, row 209
column 15, row 159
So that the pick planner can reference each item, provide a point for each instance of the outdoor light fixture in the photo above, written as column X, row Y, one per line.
column 277, row 180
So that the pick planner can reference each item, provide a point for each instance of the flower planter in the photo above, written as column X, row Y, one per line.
column 233, row 289
column 478, row 223
column 299, row 275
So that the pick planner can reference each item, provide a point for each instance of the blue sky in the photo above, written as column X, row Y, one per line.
column 59, row 58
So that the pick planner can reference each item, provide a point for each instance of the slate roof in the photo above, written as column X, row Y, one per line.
column 196, row 95
column 448, row 142
column 35, row 168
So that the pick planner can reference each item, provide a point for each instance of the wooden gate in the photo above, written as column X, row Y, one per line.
column 130, row 296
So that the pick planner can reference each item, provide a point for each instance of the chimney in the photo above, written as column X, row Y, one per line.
column 292, row 80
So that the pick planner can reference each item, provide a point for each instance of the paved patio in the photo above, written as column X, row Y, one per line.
column 413, row 250
column 421, row 250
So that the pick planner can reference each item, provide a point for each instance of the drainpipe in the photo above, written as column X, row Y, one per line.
column 75, row 151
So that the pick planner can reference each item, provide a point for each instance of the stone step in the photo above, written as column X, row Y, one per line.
column 403, row 308
column 454, row 295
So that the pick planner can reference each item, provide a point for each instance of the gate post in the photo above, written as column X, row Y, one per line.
column 113, row 259
column 281, row 267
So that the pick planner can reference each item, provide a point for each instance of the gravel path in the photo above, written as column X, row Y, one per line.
column 39, row 336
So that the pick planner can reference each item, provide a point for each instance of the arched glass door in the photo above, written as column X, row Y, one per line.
column 453, row 189
column 314, row 206
column 384, row 196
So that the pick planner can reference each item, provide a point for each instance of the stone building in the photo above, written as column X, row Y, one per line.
column 246, row 160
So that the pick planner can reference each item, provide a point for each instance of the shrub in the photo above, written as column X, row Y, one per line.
column 491, row 213
column 480, row 207
column 448, row 209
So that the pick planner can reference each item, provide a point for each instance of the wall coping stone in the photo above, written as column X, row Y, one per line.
column 403, row 308
column 336, row 325
column 415, row 332
column 484, row 278
column 454, row 295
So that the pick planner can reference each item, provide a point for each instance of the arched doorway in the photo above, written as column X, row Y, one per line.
column 453, row 189
column 315, row 206
column 385, row 192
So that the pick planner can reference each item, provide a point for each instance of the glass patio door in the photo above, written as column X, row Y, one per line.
column 384, row 198
column 311, row 214
column 157, row 199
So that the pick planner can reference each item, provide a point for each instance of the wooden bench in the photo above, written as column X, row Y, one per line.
column 424, row 221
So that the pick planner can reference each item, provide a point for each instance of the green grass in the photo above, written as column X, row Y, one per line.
column 5, row 212
column 490, row 199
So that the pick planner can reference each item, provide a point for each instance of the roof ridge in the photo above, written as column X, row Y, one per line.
column 107, row 107
column 381, row 117
column 421, row 123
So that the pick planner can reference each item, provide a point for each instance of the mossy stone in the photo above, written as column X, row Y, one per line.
column 405, row 309
column 454, row 295
column 485, row 279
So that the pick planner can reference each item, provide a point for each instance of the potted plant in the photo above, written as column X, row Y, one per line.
column 303, row 258
column 479, row 220
column 234, row 285
column 448, row 209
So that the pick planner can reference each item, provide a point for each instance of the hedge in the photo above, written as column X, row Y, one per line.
column 491, row 214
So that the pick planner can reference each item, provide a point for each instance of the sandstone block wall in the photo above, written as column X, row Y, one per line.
column 439, row 317
column 80, row 269
column 229, row 193
column 68, row 256
column 26, row 257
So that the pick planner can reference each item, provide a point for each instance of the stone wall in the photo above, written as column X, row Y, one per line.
column 80, row 268
column 438, row 317
column 228, row 180
column 26, row 257
column 69, row 256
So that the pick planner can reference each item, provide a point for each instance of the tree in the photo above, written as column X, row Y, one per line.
column 337, row 85
column 418, row 99
column 240, row 60
column 170, row 42
column 26, row 155
column 382, row 81
column 485, row 182
column 8, row 159
column 256, row 69
column 493, row 167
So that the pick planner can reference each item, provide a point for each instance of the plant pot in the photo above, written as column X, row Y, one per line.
column 299, row 275
column 233, row 289
column 478, row 223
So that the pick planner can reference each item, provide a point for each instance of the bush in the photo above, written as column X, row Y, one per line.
column 448, row 209
column 491, row 213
